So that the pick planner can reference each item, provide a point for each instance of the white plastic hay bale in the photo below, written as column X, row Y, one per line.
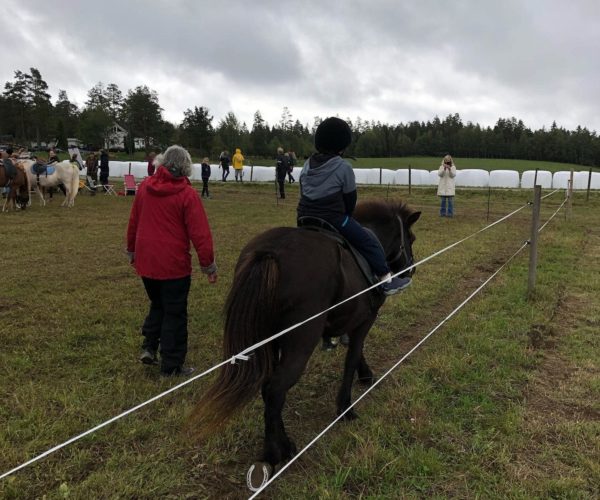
column 560, row 180
column 387, row 176
column 401, row 176
column 595, row 181
column 116, row 168
column 246, row 173
column 361, row 175
column 262, row 174
column 196, row 172
column 504, row 179
column 434, row 178
column 472, row 177
column 421, row 177
column 544, row 179
column 580, row 179
column 372, row 176
column 139, row 169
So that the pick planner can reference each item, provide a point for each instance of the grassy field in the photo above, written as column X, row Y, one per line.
column 503, row 401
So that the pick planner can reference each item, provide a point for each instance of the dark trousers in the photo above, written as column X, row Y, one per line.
column 225, row 173
column 366, row 244
column 166, row 323
column 205, row 187
column 281, row 183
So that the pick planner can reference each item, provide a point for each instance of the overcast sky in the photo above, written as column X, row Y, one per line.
column 394, row 61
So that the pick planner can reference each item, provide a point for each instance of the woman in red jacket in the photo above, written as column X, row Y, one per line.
column 166, row 214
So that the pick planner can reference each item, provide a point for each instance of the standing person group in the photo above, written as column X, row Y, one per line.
column 446, row 186
column 238, row 165
column 224, row 161
column 166, row 214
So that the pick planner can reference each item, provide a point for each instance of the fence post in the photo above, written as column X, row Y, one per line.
column 129, row 168
column 570, row 196
column 409, row 179
column 535, row 178
column 535, row 222
column 251, row 171
column 380, row 175
column 587, row 196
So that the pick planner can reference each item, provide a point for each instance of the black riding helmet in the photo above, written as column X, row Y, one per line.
column 332, row 136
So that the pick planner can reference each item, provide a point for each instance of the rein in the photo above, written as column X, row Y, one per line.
column 402, row 250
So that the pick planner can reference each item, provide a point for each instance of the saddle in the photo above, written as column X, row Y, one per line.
column 40, row 168
column 323, row 227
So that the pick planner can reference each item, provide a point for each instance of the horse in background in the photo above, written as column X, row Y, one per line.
column 282, row 277
column 64, row 172
column 18, row 195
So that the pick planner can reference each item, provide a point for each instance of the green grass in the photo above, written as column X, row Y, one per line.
column 480, row 410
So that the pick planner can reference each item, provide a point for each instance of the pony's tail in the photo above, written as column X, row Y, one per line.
column 250, row 312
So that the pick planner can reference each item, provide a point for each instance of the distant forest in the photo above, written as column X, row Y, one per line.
column 28, row 116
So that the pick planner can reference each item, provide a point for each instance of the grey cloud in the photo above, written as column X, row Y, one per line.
column 382, row 60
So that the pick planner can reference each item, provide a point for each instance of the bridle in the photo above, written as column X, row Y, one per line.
column 401, row 252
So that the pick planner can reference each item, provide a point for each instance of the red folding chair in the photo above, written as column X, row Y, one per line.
column 129, row 185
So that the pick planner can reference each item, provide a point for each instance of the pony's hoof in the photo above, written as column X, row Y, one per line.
column 258, row 475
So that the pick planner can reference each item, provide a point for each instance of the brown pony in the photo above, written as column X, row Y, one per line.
column 284, row 276
column 18, row 195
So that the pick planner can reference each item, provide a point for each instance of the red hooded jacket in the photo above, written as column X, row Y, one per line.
column 166, row 214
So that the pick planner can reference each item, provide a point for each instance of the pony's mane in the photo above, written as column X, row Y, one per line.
column 377, row 210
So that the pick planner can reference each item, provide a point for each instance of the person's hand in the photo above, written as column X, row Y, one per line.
column 212, row 278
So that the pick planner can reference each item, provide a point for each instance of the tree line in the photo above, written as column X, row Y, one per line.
column 28, row 115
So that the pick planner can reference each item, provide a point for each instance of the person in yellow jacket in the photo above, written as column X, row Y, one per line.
column 238, row 164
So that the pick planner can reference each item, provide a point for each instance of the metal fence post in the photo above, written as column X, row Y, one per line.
column 535, row 222
column 587, row 196
column 570, row 196
column 409, row 179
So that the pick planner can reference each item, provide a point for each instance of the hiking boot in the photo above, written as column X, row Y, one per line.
column 181, row 371
column 395, row 285
column 149, row 357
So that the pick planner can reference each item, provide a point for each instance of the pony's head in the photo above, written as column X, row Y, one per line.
column 392, row 223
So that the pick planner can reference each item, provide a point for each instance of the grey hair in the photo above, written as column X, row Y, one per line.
column 177, row 161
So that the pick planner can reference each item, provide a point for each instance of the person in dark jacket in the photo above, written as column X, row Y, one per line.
column 205, row 177
column 225, row 160
column 281, row 170
column 328, row 191
column 91, row 166
column 103, row 167
column 166, row 214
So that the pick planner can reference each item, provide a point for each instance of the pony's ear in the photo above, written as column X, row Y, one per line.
column 412, row 218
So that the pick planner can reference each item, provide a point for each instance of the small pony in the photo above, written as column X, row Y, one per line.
column 65, row 172
column 18, row 195
column 284, row 276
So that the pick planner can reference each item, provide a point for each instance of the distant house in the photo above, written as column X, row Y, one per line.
column 115, row 137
